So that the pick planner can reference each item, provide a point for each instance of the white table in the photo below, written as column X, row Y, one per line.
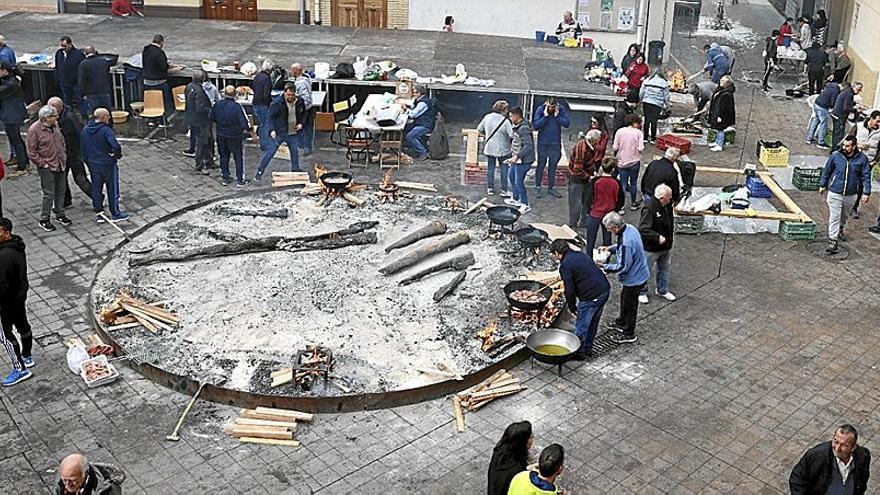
column 365, row 118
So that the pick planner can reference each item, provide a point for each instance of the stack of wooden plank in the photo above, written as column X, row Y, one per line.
column 282, row 179
column 417, row 186
column 266, row 425
column 501, row 384
column 127, row 311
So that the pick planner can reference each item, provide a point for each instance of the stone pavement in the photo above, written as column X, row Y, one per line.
column 767, row 349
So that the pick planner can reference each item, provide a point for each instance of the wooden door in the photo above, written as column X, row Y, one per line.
column 360, row 13
column 231, row 10
column 218, row 9
column 245, row 10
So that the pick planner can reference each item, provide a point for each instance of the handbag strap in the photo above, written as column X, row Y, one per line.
column 503, row 120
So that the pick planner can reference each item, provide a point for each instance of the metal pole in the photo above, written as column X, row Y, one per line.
column 302, row 11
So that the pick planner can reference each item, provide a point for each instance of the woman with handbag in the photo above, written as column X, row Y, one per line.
column 499, row 134
column 655, row 97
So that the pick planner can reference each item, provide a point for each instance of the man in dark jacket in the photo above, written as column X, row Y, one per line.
column 71, row 128
column 262, row 87
column 67, row 60
column 662, row 171
column 818, row 129
column 13, row 293
column 624, row 108
column 78, row 477
column 770, row 58
column 549, row 120
column 838, row 467
column 12, row 114
column 231, row 122
column 94, row 81
column 656, row 227
column 198, row 109
column 722, row 111
column 844, row 170
column 288, row 117
column 586, row 292
column 844, row 106
column 100, row 151
column 155, row 74
column 815, row 63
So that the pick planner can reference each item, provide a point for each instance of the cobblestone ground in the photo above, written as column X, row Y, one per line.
column 767, row 349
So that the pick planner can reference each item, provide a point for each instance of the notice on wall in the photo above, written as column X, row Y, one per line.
column 583, row 5
column 625, row 18
column 584, row 19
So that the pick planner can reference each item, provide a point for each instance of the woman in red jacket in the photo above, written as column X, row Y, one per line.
column 636, row 74
column 607, row 196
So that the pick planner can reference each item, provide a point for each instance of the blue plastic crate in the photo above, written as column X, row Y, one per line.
column 757, row 188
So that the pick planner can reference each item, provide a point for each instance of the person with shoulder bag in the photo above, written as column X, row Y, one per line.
column 497, row 145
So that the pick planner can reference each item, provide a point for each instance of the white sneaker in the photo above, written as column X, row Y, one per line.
column 669, row 296
column 512, row 202
column 506, row 194
column 523, row 209
column 716, row 148
column 490, row 192
column 643, row 298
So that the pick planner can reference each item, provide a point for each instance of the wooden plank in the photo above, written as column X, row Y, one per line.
column 419, row 186
column 123, row 326
column 146, row 324
column 283, row 379
column 282, row 371
column 497, row 392
column 472, row 140
column 291, row 175
column 556, row 231
column 459, row 414
column 503, row 383
column 476, row 205
column 291, row 425
column 759, row 215
column 297, row 415
column 783, row 197
column 261, row 432
column 145, row 317
column 719, row 170
column 269, row 441
column 483, row 384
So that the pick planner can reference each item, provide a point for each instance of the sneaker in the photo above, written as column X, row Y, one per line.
column 258, row 177
column 823, row 146
column 809, row 141
column 18, row 173
column 242, row 183
column 12, row 161
column 643, row 298
column 623, row 339
column 538, row 193
column 225, row 181
column 832, row 247
column 191, row 154
column 119, row 217
column 613, row 325
column 204, row 171
column 47, row 226
column 842, row 237
column 875, row 229
column 506, row 194
column 16, row 376
column 634, row 207
column 854, row 214
column 63, row 220
column 28, row 362
column 523, row 209
column 554, row 193
column 100, row 218
column 669, row 296
column 490, row 192
column 716, row 148
column 512, row 202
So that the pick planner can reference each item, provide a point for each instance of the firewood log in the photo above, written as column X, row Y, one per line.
column 433, row 247
column 436, row 227
column 450, row 286
column 459, row 262
column 276, row 213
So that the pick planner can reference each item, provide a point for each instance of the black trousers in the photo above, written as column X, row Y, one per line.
column 629, row 309
column 652, row 115
column 203, row 147
column 838, row 130
column 14, row 314
column 815, row 80
column 80, row 178
column 768, row 68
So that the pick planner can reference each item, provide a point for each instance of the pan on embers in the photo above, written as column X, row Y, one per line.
column 337, row 181
column 530, row 237
column 535, row 303
column 502, row 215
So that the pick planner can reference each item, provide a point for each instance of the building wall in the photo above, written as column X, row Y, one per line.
column 862, row 38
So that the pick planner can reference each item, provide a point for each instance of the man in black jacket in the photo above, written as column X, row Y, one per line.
column 13, row 293
column 198, row 108
column 770, row 58
column 624, row 108
column 662, row 171
column 94, row 81
column 815, row 65
column 262, row 87
column 838, row 467
column 656, row 227
column 722, row 111
column 71, row 128
column 67, row 60
column 155, row 74
column 287, row 117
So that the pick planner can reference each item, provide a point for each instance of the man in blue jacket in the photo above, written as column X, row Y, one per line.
column 717, row 65
column 7, row 54
column 631, row 267
column 67, row 60
column 586, row 292
column 844, row 170
column 12, row 114
column 550, row 119
column 100, row 151
column 288, row 117
column 421, row 121
column 231, row 122
column 818, row 129
column 844, row 106
column 95, row 82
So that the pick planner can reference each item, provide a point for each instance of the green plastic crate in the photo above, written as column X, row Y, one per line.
column 689, row 224
column 806, row 179
column 797, row 231
column 729, row 136
column 829, row 136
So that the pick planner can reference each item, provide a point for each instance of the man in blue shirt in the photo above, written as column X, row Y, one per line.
column 631, row 267
column 7, row 54
column 822, row 115
column 550, row 119
column 421, row 121
column 586, row 292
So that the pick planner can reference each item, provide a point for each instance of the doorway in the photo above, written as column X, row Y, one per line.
column 231, row 10
column 360, row 13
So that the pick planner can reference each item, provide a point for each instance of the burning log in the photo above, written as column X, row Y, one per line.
column 353, row 235
column 459, row 262
column 487, row 335
column 277, row 213
column 436, row 227
column 447, row 289
column 431, row 248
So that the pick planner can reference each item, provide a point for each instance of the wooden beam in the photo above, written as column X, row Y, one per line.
column 719, row 170
column 269, row 441
column 279, row 433
column 291, row 425
column 296, row 415
column 783, row 197
column 759, row 215
column 459, row 414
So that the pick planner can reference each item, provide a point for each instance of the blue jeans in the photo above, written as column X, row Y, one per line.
column 307, row 135
column 292, row 141
column 587, row 321
column 105, row 177
column 517, row 174
column 166, row 96
column 414, row 140
column 629, row 180
column 593, row 226
column 819, row 121
column 549, row 156
column 70, row 94
column 490, row 171
column 231, row 146
column 263, row 127
column 16, row 144
column 719, row 139
column 661, row 258
column 94, row 102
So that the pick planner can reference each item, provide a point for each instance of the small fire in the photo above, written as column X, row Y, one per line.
column 676, row 79
column 319, row 170
column 386, row 181
column 487, row 335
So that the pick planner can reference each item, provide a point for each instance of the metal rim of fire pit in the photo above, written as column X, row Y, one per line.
column 325, row 404
column 389, row 189
column 337, row 180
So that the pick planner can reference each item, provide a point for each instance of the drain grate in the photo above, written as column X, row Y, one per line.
column 48, row 339
column 817, row 249
column 603, row 344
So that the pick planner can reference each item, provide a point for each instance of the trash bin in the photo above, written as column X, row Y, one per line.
column 539, row 36
column 655, row 52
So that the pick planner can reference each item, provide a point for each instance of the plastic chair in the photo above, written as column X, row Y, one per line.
column 154, row 107
column 176, row 91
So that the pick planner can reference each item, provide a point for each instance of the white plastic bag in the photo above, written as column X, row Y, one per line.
column 322, row 70
column 76, row 355
column 360, row 66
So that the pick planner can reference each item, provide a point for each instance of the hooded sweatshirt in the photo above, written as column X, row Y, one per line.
column 13, row 269
column 98, row 145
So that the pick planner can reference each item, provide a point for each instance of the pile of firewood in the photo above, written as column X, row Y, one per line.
column 126, row 311
column 501, row 384
column 282, row 179
column 266, row 425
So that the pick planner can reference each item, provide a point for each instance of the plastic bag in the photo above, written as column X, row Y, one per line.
column 360, row 66
column 322, row 70
column 76, row 355
column 248, row 69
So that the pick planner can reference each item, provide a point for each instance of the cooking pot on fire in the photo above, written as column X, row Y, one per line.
column 336, row 181
column 502, row 215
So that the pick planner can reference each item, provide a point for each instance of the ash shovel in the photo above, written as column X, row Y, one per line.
column 175, row 435
column 133, row 249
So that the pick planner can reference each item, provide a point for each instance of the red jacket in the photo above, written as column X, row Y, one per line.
column 784, row 30
column 606, row 191
column 635, row 74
